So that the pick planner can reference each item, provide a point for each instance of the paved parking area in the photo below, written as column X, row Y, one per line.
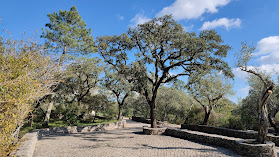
column 126, row 142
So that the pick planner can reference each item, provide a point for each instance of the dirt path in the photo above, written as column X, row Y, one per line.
column 127, row 142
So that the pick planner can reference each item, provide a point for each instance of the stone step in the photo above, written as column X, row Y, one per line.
column 237, row 144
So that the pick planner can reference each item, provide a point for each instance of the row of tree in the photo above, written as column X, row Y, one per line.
column 63, row 75
column 164, row 52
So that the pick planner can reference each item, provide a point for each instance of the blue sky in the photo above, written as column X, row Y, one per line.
column 254, row 21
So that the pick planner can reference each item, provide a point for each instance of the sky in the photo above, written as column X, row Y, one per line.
column 254, row 21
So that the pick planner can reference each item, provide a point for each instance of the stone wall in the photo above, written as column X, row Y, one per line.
column 26, row 146
column 80, row 129
column 153, row 131
column 229, row 132
column 253, row 150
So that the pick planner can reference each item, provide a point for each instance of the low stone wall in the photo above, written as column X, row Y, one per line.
column 229, row 132
column 27, row 146
column 144, row 120
column 80, row 129
column 221, row 131
column 253, row 150
column 153, row 131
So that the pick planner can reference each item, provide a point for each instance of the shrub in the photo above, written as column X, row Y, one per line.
column 25, row 75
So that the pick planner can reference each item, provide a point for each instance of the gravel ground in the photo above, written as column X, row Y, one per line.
column 127, row 142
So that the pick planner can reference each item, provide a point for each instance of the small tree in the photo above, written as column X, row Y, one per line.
column 207, row 91
column 243, row 56
column 113, row 50
column 120, row 87
column 173, row 104
column 99, row 103
column 80, row 78
column 66, row 34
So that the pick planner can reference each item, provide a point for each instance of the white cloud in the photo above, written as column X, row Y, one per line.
column 223, row 22
column 120, row 17
column 268, row 50
column 139, row 19
column 245, row 90
column 268, row 55
column 240, row 74
column 188, row 28
column 190, row 9
column 270, row 69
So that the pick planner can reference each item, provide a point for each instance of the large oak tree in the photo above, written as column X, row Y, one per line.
column 162, row 46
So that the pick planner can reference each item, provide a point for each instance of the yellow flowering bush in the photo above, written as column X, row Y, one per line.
column 26, row 74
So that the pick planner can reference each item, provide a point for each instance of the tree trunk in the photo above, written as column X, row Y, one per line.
column 263, row 124
column 47, row 117
column 120, row 111
column 15, row 134
column 79, row 102
column 165, row 116
column 152, row 115
column 62, row 57
column 206, row 115
column 263, row 112
column 94, row 119
column 30, row 119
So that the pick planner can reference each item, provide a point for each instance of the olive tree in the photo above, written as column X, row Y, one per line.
column 243, row 57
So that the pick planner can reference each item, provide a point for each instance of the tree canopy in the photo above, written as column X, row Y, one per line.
column 208, row 90
column 162, row 46
column 66, row 33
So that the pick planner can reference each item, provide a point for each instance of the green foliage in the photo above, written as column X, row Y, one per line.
column 162, row 45
column 195, row 115
column 208, row 90
column 136, row 105
column 66, row 33
column 26, row 74
column 113, row 50
column 236, row 123
column 223, row 111
column 244, row 55
column 172, row 105
column 248, row 107
column 221, row 115
column 80, row 78
column 120, row 87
